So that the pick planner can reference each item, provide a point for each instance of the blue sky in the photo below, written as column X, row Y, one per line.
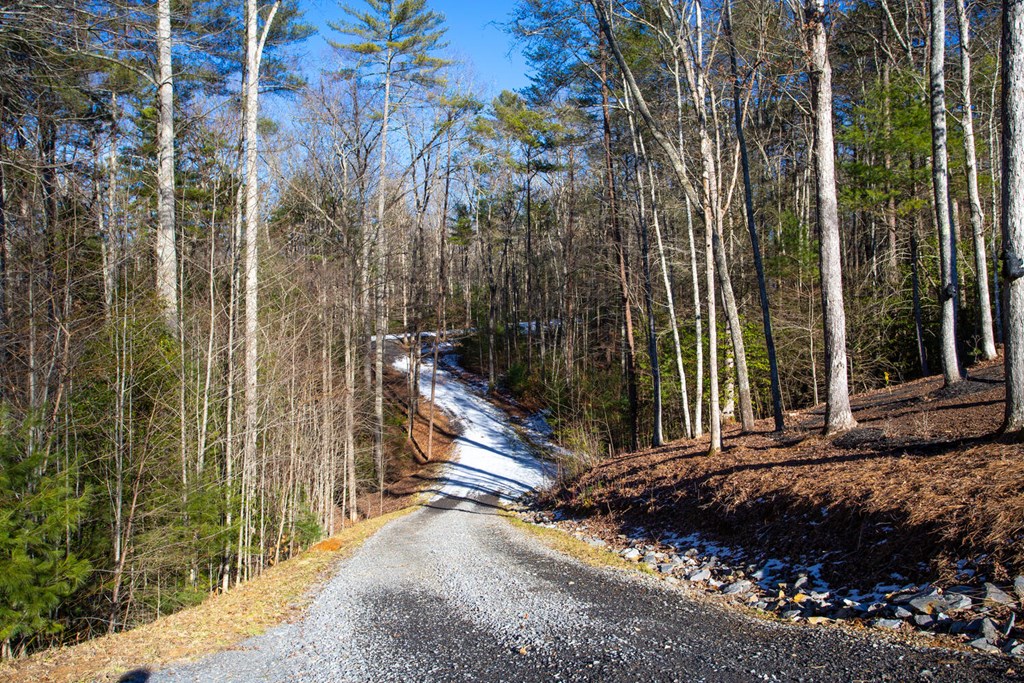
column 474, row 37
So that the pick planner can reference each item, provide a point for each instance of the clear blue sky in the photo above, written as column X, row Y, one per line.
column 474, row 36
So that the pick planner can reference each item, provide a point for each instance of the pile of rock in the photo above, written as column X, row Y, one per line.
column 985, row 616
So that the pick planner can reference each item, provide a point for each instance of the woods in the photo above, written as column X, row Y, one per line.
column 700, row 212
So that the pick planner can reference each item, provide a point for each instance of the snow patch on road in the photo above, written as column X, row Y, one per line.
column 490, row 457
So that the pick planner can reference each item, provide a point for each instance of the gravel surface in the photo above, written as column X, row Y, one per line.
column 454, row 592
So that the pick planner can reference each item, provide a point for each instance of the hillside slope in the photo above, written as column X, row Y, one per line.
column 924, row 488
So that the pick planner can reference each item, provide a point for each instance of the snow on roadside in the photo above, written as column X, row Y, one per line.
column 490, row 457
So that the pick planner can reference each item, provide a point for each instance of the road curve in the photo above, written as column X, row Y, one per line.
column 453, row 593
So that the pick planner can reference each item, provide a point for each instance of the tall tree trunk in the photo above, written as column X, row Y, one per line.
column 838, row 416
column 1013, row 210
column 379, row 284
column 620, row 256
column 755, row 242
column 166, row 248
column 657, row 432
column 673, row 321
column 940, row 189
column 988, row 343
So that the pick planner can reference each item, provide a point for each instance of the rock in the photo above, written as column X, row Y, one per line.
column 817, row 621
column 955, row 601
column 1017, row 650
column 989, row 631
column 927, row 603
column 631, row 554
column 738, row 587
column 924, row 620
column 800, row 598
column 995, row 594
column 715, row 584
column 801, row 582
column 1018, row 587
column 961, row 627
column 651, row 558
column 792, row 614
column 983, row 645
column 891, row 624
column 699, row 575
column 761, row 605
column 667, row 567
column 902, row 613
column 597, row 543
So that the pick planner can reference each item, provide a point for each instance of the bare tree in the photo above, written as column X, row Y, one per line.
column 1013, row 210
column 988, row 343
column 948, row 296
column 166, row 247
column 838, row 416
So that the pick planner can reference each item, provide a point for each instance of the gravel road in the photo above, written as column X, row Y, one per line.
column 454, row 592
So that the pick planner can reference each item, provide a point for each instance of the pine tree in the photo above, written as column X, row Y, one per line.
column 37, row 509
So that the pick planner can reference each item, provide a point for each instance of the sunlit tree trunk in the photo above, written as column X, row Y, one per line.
column 948, row 296
column 1013, row 210
column 838, row 415
column 988, row 343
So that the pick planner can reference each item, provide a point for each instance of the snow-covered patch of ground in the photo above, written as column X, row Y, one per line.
column 490, row 457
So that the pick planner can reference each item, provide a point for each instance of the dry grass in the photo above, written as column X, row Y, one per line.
column 924, row 479
column 280, row 593
column 570, row 545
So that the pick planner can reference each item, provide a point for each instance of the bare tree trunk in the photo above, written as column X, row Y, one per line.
column 940, row 187
column 166, row 248
column 838, row 416
column 1013, row 210
column 755, row 242
column 698, row 398
column 988, row 343
column 673, row 321
column 620, row 255
column 657, row 432
column 441, row 333
column 380, row 321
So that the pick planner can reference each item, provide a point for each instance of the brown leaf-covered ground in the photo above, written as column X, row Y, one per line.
column 923, row 482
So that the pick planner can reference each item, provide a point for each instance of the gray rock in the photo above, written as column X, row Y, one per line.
column 997, row 595
column 955, row 601
column 983, row 645
column 597, row 543
column 631, row 554
column 927, row 603
column 924, row 620
column 891, row 624
column 651, row 558
column 667, row 567
column 699, row 575
column 989, row 631
column 800, row 583
column 902, row 613
column 792, row 614
column 1017, row 650
column 738, row 587
column 1018, row 587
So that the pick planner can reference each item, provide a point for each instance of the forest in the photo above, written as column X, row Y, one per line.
column 700, row 212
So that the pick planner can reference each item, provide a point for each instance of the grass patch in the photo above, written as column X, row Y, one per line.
column 574, row 547
column 221, row 621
